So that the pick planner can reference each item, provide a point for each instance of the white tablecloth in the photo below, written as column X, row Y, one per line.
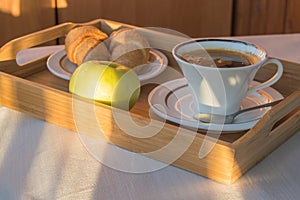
column 39, row 160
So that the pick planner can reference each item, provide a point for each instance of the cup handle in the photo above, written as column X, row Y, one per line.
column 272, row 80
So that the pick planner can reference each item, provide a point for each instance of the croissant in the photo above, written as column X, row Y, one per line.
column 125, row 46
column 128, row 47
column 80, row 41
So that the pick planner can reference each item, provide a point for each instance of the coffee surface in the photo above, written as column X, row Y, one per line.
column 219, row 58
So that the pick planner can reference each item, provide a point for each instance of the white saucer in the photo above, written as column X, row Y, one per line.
column 59, row 65
column 173, row 101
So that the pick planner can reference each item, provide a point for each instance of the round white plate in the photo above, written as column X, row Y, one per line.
column 173, row 101
column 59, row 65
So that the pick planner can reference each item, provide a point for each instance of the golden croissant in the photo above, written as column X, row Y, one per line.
column 125, row 46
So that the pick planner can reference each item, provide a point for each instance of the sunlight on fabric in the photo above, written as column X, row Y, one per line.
column 12, row 7
column 64, row 158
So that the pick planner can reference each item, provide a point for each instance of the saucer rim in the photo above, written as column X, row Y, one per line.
column 54, row 65
column 234, row 127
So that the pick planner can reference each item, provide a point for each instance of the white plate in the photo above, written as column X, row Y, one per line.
column 59, row 65
column 173, row 101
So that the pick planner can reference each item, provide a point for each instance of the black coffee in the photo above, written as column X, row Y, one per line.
column 219, row 58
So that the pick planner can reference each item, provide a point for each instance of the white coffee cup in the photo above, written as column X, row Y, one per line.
column 221, row 90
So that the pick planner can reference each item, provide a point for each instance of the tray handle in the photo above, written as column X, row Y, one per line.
column 10, row 49
column 281, row 118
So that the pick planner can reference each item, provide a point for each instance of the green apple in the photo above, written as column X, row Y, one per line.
column 106, row 82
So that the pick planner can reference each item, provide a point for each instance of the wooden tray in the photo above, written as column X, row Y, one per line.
column 32, row 89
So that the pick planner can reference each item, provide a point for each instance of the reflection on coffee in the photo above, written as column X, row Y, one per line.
column 219, row 58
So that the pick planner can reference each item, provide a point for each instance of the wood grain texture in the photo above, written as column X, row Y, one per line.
column 193, row 17
column 80, row 11
column 23, row 17
column 259, row 17
column 292, row 24
column 268, row 132
column 276, row 18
